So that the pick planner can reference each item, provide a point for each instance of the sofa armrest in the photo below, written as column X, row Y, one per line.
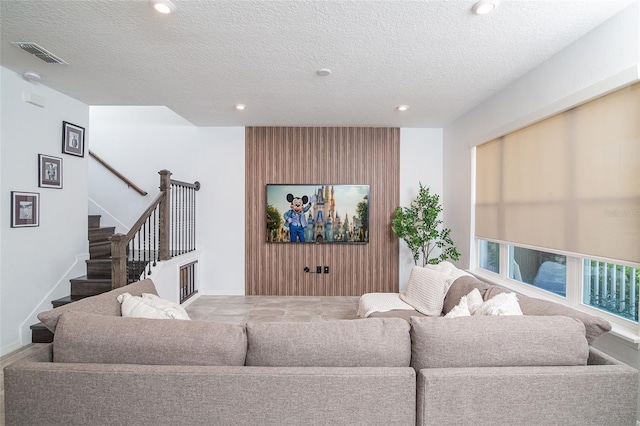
column 575, row 395
column 101, row 304
column 79, row 394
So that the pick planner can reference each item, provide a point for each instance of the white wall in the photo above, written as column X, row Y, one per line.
column 221, row 205
column 602, row 61
column 139, row 142
column 37, row 262
column 420, row 161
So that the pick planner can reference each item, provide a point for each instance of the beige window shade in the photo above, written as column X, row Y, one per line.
column 570, row 182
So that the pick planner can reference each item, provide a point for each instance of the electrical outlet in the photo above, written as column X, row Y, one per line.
column 326, row 269
column 318, row 269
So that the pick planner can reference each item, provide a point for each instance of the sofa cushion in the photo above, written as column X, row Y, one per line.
column 372, row 342
column 461, row 287
column 594, row 326
column 88, row 338
column 497, row 341
column 102, row 304
column 425, row 290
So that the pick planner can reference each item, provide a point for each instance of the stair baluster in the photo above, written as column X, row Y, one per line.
column 173, row 211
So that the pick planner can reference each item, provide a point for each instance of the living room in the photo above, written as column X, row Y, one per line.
column 36, row 263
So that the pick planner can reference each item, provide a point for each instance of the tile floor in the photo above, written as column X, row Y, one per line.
column 243, row 309
column 239, row 310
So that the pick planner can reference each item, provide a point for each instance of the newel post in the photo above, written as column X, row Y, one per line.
column 118, row 261
column 165, row 211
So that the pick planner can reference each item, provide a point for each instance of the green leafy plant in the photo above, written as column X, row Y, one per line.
column 420, row 227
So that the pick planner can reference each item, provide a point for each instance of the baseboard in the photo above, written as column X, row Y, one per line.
column 79, row 266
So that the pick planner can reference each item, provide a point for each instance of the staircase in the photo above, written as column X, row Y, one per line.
column 97, row 280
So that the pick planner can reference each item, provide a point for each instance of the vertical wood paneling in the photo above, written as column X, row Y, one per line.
column 322, row 155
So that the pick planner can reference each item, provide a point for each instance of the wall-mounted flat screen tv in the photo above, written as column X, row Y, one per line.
column 318, row 214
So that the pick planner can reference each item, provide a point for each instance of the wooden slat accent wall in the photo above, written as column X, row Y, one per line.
column 322, row 155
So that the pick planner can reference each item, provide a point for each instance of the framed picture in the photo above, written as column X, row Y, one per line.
column 49, row 171
column 25, row 209
column 72, row 139
column 317, row 214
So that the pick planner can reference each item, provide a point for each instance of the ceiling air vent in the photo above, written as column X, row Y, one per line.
column 39, row 51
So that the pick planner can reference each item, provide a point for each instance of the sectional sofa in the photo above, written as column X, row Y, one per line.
column 105, row 369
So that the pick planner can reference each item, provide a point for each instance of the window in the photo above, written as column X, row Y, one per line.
column 612, row 288
column 489, row 255
column 547, row 271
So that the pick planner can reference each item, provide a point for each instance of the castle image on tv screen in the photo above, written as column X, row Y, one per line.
column 317, row 213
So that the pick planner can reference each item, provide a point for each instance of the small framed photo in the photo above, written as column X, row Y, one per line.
column 49, row 171
column 25, row 209
column 72, row 139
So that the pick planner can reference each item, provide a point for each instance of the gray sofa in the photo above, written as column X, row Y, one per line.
column 103, row 369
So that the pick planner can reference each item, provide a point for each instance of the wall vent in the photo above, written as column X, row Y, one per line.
column 39, row 51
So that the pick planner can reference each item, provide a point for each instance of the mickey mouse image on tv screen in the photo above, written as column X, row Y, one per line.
column 295, row 219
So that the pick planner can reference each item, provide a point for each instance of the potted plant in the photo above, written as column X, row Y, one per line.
column 420, row 227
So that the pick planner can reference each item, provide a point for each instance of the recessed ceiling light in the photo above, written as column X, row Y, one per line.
column 163, row 6
column 323, row 72
column 484, row 6
column 402, row 107
column 240, row 107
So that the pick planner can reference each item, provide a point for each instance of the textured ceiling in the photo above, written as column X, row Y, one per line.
column 435, row 56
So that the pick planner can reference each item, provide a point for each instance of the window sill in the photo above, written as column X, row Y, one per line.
column 625, row 335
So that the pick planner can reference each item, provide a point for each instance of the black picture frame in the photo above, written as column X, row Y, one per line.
column 49, row 171
column 25, row 209
column 72, row 139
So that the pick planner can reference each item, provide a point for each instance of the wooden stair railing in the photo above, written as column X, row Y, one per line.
column 166, row 229
column 118, row 174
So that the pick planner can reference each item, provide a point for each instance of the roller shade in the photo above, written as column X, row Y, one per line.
column 570, row 182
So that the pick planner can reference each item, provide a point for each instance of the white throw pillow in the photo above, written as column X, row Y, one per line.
column 460, row 310
column 140, row 307
column 474, row 300
column 445, row 267
column 500, row 304
column 425, row 291
column 162, row 303
column 449, row 269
